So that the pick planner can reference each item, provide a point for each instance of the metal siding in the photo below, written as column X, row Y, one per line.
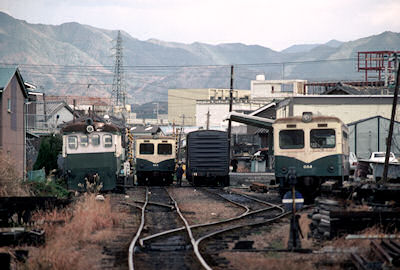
column 207, row 152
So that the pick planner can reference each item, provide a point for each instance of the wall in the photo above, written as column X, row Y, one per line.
column 12, row 124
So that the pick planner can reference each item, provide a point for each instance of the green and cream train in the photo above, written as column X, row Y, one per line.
column 155, row 160
column 315, row 147
column 90, row 148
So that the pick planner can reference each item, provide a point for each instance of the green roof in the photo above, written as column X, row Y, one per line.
column 5, row 77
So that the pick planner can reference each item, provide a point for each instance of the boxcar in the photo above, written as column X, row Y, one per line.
column 207, row 157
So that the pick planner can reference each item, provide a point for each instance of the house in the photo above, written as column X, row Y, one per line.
column 44, row 117
column 13, row 95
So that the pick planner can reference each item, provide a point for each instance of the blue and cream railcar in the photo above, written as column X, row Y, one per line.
column 316, row 147
column 91, row 148
column 155, row 160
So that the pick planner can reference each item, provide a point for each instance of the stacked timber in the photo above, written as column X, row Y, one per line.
column 320, row 226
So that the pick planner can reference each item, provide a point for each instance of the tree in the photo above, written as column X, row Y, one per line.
column 49, row 149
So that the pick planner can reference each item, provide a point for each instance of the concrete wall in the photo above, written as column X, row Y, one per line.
column 12, row 125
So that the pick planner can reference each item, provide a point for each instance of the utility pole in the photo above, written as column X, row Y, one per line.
column 208, row 119
column 230, row 110
column 118, row 94
column 390, row 135
column 180, row 136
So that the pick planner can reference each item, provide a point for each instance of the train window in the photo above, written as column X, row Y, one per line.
column 107, row 140
column 291, row 139
column 84, row 140
column 146, row 149
column 95, row 139
column 322, row 138
column 164, row 149
column 72, row 142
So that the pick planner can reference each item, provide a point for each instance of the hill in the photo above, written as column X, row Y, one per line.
column 72, row 58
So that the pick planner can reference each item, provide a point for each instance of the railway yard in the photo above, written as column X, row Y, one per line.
column 172, row 227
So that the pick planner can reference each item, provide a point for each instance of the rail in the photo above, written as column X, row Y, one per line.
column 139, row 231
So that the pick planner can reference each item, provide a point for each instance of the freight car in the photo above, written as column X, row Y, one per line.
column 155, row 160
column 90, row 148
column 207, row 157
column 315, row 147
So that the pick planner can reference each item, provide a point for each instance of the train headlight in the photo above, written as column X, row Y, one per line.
column 284, row 170
column 306, row 117
column 331, row 169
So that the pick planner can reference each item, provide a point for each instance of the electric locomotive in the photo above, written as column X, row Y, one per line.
column 155, row 160
column 315, row 147
column 90, row 148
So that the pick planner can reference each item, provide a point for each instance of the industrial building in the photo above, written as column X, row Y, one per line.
column 182, row 102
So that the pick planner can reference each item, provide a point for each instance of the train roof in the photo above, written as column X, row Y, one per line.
column 155, row 137
column 317, row 118
column 81, row 127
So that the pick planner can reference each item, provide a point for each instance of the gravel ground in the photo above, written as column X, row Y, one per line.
column 199, row 207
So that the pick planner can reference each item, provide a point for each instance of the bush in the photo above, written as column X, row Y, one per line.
column 49, row 149
column 48, row 188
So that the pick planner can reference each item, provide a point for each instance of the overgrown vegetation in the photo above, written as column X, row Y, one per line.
column 10, row 183
column 49, row 149
column 87, row 225
column 48, row 188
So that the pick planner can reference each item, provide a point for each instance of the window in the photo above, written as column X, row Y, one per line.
column 95, row 140
column 291, row 139
column 322, row 138
column 9, row 105
column 164, row 149
column 72, row 142
column 84, row 141
column 107, row 140
column 146, row 149
column 345, row 136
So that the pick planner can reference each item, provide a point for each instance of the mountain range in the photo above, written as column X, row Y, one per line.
column 77, row 59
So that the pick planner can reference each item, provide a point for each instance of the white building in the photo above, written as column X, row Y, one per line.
column 270, row 89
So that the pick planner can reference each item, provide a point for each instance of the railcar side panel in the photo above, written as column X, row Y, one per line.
column 207, row 157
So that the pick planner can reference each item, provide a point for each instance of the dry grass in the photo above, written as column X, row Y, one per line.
column 10, row 183
column 78, row 243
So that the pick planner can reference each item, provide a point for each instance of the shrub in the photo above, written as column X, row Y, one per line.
column 49, row 149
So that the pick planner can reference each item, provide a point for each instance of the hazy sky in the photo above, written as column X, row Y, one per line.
column 275, row 24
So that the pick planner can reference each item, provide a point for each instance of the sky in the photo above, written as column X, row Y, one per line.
column 276, row 24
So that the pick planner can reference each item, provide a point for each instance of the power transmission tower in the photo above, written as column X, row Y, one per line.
column 118, row 94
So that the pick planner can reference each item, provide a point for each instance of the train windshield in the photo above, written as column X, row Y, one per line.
column 291, row 139
column 164, row 149
column 146, row 149
column 322, row 138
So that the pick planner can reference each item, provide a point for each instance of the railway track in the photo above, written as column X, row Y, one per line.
column 166, row 252
column 169, row 243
